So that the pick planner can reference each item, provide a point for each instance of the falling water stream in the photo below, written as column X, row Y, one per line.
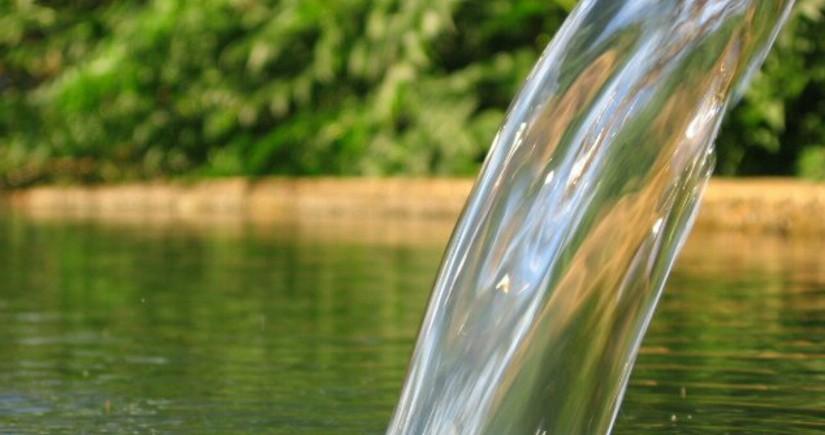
column 555, row 267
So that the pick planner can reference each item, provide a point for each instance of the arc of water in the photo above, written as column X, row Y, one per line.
column 586, row 196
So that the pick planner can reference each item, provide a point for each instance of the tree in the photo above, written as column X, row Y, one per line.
column 98, row 90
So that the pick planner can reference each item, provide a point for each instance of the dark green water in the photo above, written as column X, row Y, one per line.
column 136, row 327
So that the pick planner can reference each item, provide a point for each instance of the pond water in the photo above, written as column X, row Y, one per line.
column 142, row 326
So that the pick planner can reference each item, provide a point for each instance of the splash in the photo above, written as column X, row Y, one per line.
column 589, row 190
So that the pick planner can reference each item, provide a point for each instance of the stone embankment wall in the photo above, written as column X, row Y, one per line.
column 781, row 206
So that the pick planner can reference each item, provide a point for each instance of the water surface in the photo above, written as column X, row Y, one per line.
column 137, row 326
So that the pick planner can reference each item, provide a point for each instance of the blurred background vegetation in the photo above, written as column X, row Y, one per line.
column 105, row 90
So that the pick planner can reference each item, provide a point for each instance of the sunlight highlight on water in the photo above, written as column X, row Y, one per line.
column 591, row 186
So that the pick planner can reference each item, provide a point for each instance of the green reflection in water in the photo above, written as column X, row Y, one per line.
column 307, row 328
column 197, row 331
column 738, row 344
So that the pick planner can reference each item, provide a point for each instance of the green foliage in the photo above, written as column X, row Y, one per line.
column 783, row 113
column 812, row 163
column 101, row 90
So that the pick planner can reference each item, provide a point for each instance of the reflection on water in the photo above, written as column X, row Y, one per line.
column 739, row 343
column 304, row 328
column 204, row 330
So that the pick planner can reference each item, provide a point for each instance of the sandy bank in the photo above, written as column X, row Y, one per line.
column 751, row 205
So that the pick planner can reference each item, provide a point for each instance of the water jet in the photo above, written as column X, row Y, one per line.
column 588, row 192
